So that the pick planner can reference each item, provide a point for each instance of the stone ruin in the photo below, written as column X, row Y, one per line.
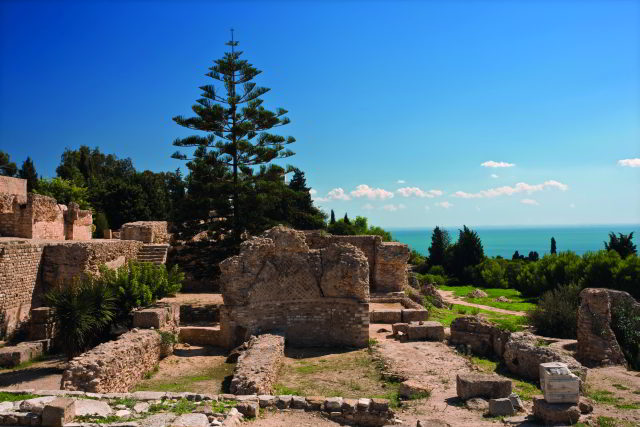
column 146, row 232
column 314, row 297
column 597, row 344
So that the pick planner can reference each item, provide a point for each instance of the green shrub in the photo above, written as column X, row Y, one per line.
column 625, row 323
column 84, row 311
column 557, row 312
column 433, row 279
column 493, row 273
column 437, row 270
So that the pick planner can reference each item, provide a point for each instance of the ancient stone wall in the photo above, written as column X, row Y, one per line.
column 146, row 231
column 597, row 344
column 258, row 365
column 14, row 186
column 20, row 266
column 313, row 297
column 115, row 366
column 387, row 260
column 64, row 261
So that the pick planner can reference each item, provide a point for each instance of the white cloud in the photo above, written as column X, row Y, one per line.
column 364, row 190
column 493, row 175
column 415, row 191
column 400, row 181
column 632, row 163
column 492, row 164
column 368, row 206
column 393, row 208
column 444, row 204
column 520, row 187
column 529, row 202
column 312, row 191
column 337, row 194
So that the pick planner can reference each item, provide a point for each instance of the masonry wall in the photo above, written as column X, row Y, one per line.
column 146, row 231
column 20, row 266
column 14, row 186
column 115, row 366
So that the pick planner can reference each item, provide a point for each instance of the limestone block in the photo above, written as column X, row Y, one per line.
column 385, row 316
column 267, row 401
column 257, row 367
column 92, row 407
column 431, row 331
column 23, row 352
column 412, row 389
column 249, row 409
column 333, row 404
column 501, row 407
column 191, row 420
column 482, row 385
column 477, row 404
column 36, row 405
column 150, row 318
column 414, row 315
column 200, row 335
column 399, row 327
column 555, row 413
column 391, row 266
column 298, row 402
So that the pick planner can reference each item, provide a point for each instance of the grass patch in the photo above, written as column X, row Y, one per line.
column 620, row 386
column 504, row 321
column 609, row 398
column 218, row 373
column 283, row 390
column 98, row 420
column 183, row 406
column 14, row 397
column 525, row 389
column 129, row 402
column 223, row 406
column 518, row 302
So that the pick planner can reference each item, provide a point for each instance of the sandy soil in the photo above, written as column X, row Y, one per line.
column 291, row 418
column 44, row 375
column 451, row 298
column 622, row 384
column 195, row 298
column 385, row 306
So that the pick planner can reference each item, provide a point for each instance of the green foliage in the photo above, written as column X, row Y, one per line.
column 84, row 310
column 440, row 242
column 433, row 279
column 28, row 172
column 64, row 191
column 416, row 258
column 557, row 312
column 553, row 246
column 493, row 272
column 333, row 217
column 466, row 253
column 626, row 326
column 360, row 226
column 101, row 223
column 7, row 167
column 168, row 338
column 622, row 244
column 15, row 397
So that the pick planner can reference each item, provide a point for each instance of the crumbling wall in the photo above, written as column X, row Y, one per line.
column 387, row 260
column 64, row 261
column 258, row 365
column 314, row 297
column 597, row 344
column 77, row 223
column 146, row 231
column 13, row 193
column 20, row 266
column 115, row 366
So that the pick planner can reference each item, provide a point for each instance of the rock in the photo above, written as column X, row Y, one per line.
column 36, row 405
column 518, row 420
column 585, row 406
column 432, row 423
column 284, row 401
column 248, row 409
column 58, row 412
column 257, row 367
column 314, row 403
column 141, row 407
column 123, row 413
column 477, row 404
column 432, row 294
column 191, row 420
column 412, row 389
column 363, row 404
column 399, row 327
column 92, row 407
column 266, row 400
column 236, row 352
column 382, row 330
column 6, row 406
column 431, row 331
column 481, row 336
column 516, row 402
column 298, row 402
column 502, row 299
column 414, row 315
column 482, row 385
column 233, row 418
column 385, row 315
column 501, row 407
column 477, row 293
column 379, row 405
column 555, row 413
column 332, row 404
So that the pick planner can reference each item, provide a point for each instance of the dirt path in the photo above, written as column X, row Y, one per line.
column 296, row 418
column 449, row 297
column 434, row 365
column 44, row 375
column 619, row 384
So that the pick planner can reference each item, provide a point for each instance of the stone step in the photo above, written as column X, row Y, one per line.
column 200, row 335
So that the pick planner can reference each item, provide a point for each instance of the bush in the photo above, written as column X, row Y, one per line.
column 84, row 311
column 557, row 312
column 626, row 326
column 493, row 274
column 433, row 279
column 415, row 258
column 437, row 270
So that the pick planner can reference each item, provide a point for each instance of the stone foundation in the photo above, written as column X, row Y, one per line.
column 597, row 344
column 258, row 365
column 115, row 366
column 146, row 231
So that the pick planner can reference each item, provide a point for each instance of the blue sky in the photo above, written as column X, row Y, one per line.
column 402, row 99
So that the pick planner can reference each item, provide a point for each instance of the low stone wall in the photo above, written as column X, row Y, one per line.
column 158, row 316
column 258, row 365
column 205, row 313
column 146, row 231
column 64, row 261
column 479, row 336
column 115, row 366
column 597, row 344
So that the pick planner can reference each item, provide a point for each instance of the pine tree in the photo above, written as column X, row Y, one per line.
column 622, row 244
column 467, row 252
column 346, row 219
column 28, row 172
column 236, row 124
column 7, row 167
column 440, row 242
column 553, row 246
column 333, row 217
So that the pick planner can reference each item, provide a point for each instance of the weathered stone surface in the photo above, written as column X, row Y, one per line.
column 315, row 403
column 412, row 389
column 383, row 315
column 431, row 331
column 555, row 413
column 414, row 315
column 191, row 420
column 432, row 423
column 115, row 366
column 333, row 404
column 523, row 357
column 277, row 283
column 257, row 367
column 477, row 404
column 431, row 292
column 597, row 344
column 501, row 407
column 92, row 407
column 58, row 412
column 146, row 231
column 585, row 406
column 477, row 293
column 202, row 335
column 481, row 336
column 390, row 271
column 14, row 355
column 482, row 385
column 35, row 405
column 249, row 409
column 399, row 327
column 516, row 402
column 267, row 401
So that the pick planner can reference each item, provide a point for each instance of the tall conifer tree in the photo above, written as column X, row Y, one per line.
column 236, row 124
column 333, row 217
column 28, row 172
column 553, row 245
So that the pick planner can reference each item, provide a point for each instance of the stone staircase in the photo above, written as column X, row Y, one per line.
column 156, row 254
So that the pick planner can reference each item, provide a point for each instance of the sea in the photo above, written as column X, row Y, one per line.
column 504, row 241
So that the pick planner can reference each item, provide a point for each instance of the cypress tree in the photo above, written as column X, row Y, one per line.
column 333, row 217
column 346, row 219
column 7, row 167
column 440, row 242
column 28, row 172
column 553, row 246
column 236, row 124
